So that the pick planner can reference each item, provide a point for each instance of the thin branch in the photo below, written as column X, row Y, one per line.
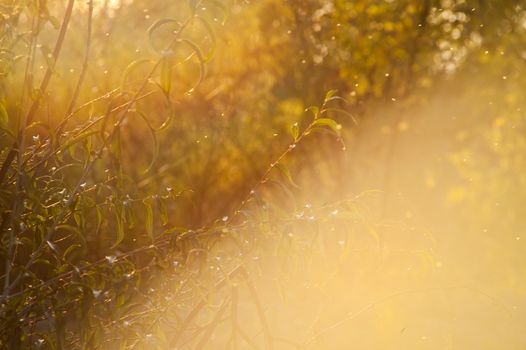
column 43, row 87
column 259, row 307
column 212, row 326
column 84, row 63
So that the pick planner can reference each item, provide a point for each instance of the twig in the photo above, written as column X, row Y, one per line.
column 259, row 307
column 84, row 63
column 212, row 326
column 195, row 311
column 233, row 312
column 43, row 87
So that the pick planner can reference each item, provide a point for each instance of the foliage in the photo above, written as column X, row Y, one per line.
column 151, row 153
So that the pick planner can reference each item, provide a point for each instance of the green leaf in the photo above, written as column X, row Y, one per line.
column 162, row 210
column 156, row 25
column 341, row 111
column 314, row 110
column 295, row 131
column 120, row 227
column 334, row 98
column 333, row 125
column 54, row 21
column 115, row 145
column 329, row 95
column 130, row 215
column 71, row 229
column 130, row 68
column 4, row 117
column 99, row 218
column 78, row 215
column 166, row 123
column 70, row 250
column 155, row 151
column 44, row 12
column 78, row 138
column 200, row 57
column 166, row 73
column 149, row 218
column 43, row 262
column 285, row 171
column 210, row 31
column 53, row 248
